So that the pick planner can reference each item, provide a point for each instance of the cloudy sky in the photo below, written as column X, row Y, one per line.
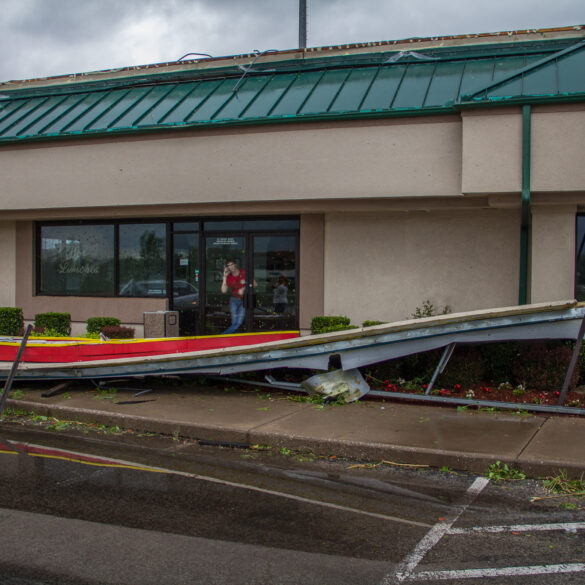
column 40, row 38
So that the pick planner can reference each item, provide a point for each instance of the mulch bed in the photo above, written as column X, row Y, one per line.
column 502, row 393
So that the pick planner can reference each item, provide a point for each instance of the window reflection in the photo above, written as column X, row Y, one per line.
column 142, row 254
column 77, row 260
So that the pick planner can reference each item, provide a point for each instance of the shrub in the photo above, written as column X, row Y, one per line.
column 466, row 367
column 372, row 323
column 330, row 323
column 500, row 359
column 118, row 332
column 53, row 323
column 543, row 365
column 95, row 324
column 11, row 321
column 428, row 310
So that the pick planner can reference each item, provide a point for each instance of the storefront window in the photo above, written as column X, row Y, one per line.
column 142, row 253
column 77, row 260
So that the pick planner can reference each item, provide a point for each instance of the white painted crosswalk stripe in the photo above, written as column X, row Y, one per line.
column 566, row 526
column 499, row 572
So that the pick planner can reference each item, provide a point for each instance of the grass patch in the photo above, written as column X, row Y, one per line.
column 499, row 471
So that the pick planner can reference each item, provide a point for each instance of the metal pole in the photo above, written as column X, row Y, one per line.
column 302, row 24
column 572, row 363
column 441, row 366
column 12, row 373
column 526, row 186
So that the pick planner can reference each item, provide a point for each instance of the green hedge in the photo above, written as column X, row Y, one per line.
column 537, row 365
column 325, row 324
column 11, row 321
column 53, row 324
column 95, row 324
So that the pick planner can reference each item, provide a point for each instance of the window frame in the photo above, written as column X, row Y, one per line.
column 169, row 224
column 116, row 248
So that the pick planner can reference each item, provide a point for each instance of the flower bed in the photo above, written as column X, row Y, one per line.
column 514, row 372
column 503, row 392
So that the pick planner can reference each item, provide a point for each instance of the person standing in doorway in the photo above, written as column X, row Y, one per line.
column 234, row 281
column 280, row 297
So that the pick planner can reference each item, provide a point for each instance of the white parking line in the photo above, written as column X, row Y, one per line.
column 405, row 569
column 502, row 572
column 566, row 526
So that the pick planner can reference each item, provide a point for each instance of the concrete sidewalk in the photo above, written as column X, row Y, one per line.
column 370, row 429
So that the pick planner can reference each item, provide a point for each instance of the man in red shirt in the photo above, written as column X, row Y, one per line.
column 234, row 280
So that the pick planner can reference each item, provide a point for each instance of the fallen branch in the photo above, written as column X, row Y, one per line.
column 566, row 495
column 372, row 465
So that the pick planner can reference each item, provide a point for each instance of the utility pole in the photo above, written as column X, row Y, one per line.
column 302, row 24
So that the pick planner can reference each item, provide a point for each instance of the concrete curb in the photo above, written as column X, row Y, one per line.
column 352, row 449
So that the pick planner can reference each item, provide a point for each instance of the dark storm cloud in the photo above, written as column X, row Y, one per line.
column 55, row 37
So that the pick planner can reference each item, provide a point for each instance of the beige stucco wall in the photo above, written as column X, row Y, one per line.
column 7, row 263
column 382, row 266
column 492, row 151
column 558, row 144
column 553, row 253
column 312, row 269
column 405, row 157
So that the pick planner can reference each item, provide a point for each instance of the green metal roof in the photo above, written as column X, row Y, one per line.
column 351, row 86
column 558, row 76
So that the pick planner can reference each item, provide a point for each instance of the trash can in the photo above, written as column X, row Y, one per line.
column 161, row 324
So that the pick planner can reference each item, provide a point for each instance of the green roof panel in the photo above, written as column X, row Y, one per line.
column 213, row 103
column 171, row 97
column 444, row 87
column 559, row 75
column 569, row 82
column 269, row 97
column 383, row 88
column 59, row 105
column 122, row 112
column 28, row 117
column 183, row 109
column 477, row 74
column 59, row 124
column 413, row 89
column 297, row 94
column 353, row 91
column 325, row 92
column 142, row 105
column 23, row 109
column 242, row 96
column 99, row 108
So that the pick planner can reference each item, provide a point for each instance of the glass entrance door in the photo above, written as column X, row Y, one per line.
column 250, row 283
column 185, row 281
column 226, row 282
column 275, row 273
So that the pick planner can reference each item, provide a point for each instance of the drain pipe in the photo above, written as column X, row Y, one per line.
column 525, row 226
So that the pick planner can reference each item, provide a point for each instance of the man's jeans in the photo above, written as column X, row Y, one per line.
column 238, row 313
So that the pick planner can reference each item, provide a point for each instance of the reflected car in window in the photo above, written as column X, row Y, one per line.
column 185, row 295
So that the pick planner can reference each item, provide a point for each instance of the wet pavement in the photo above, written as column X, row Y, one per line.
column 92, row 509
